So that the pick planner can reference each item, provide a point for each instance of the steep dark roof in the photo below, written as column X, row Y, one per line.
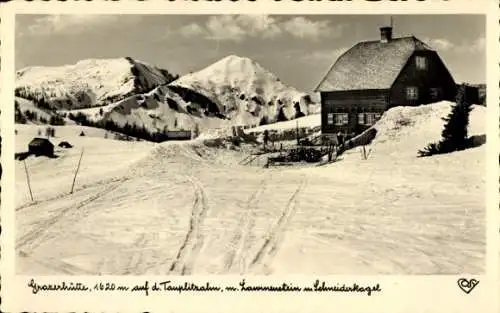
column 40, row 142
column 371, row 65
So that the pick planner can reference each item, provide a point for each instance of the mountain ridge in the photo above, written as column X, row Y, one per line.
column 232, row 91
column 89, row 82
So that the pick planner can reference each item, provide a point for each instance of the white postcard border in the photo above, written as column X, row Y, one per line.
column 399, row 293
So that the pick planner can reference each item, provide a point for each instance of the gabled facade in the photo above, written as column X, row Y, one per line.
column 374, row 76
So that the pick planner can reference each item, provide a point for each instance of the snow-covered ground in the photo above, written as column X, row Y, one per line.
column 96, row 165
column 185, row 208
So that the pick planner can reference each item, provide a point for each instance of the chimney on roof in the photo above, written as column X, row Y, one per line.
column 386, row 34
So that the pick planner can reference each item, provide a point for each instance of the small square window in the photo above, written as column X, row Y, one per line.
column 421, row 63
column 412, row 93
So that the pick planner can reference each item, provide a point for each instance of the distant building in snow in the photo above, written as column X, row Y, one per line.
column 472, row 93
column 65, row 144
column 476, row 94
column 179, row 134
column 41, row 146
column 374, row 76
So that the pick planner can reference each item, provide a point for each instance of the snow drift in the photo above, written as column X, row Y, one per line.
column 405, row 130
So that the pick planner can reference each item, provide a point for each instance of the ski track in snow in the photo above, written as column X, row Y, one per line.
column 273, row 240
column 135, row 260
column 239, row 244
column 67, row 216
column 61, row 196
column 189, row 250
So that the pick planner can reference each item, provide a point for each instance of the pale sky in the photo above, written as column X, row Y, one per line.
column 298, row 49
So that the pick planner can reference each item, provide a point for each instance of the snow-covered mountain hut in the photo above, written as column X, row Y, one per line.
column 374, row 76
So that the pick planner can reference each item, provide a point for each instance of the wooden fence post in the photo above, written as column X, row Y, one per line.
column 76, row 172
column 28, row 180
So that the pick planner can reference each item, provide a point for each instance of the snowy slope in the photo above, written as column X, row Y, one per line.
column 405, row 130
column 95, row 165
column 159, row 109
column 185, row 208
column 27, row 105
column 233, row 91
column 245, row 91
column 88, row 83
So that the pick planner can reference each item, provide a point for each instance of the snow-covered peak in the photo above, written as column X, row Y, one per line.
column 235, row 62
column 233, row 70
column 101, row 81
column 239, row 85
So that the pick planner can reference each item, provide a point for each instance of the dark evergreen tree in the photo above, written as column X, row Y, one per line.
column 48, row 132
column 264, row 120
column 299, row 114
column 56, row 120
column 19, row 118
column 42, row 103
column 454, row 134
column 281, row 116
column 127, row 129
column 29, row 115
